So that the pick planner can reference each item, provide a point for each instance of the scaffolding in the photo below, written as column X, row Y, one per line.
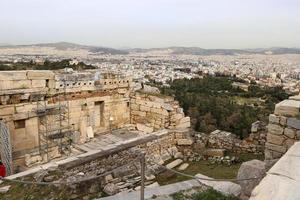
column 54, row 126
column 5, row 148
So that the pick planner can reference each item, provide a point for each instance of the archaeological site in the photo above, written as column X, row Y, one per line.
column 100, row 136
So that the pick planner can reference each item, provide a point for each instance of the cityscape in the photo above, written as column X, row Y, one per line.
column 136, row 100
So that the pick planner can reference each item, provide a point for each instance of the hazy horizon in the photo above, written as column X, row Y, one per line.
column 215, row 24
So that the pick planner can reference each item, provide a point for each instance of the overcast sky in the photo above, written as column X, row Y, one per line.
column 153, row 23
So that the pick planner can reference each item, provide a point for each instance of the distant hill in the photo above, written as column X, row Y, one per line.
column 170, row 50
column 67, row 45
column 201, row 51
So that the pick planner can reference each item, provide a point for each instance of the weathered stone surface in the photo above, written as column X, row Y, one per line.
column 225, row 187
column 144, row 128
column 111, row 189
column 275, row 139
column 174, row 163
column 185, row 142
column 275, row 129
column 250, row 169
column 277, row 148
column 288, row 143
column 298, row 135
column 283, row 120
column 274, row 119
column 289, row 132
column 287, row 108
column 282, row 180
column 4, row 189
column 215, row 152
column 183, row 166
column 293, row 122
column 42, row 74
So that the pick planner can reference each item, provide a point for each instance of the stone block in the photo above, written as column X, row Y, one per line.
column 274, row 147
column 275, row 129
column 250, row 169
column 185, row 142
column 298, row 135
column 274, row 119
column 214, row 152
column 174, row 163
column 38, row 83
column 289, row 132
column 287, row 108
column 183, row 166
column 275, row 139
column 90, row 132
column 7, row 110
column 283, row 120
column 184, row 125
column 144, row 108
column 40, row 74
column 288, row 143
column 144, row 128
column 293, row 122
column 12, row 75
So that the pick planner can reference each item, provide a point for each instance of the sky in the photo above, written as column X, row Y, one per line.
column 152, row 23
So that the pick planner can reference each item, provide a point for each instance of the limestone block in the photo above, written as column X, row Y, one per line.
column 7, row 110
column 135, row 106
column 38, row 83
column 167, row 107
column 275, row 129
column 274, row 147
column 225, row 187
column 183, row 166
column 184, row 125
column 12, row 75
column 283, row 120
column 90, row 132
column 174, row 163
column 250, row 169
column 288, row 143
column 287, row 108
column 275, row 139
column 184, row 120
column 6, row 85
column 214, row 152
column 139, row 113
column 289, row 132
column 298, row 135
column 274, row 119
column 185, row 142
column 144, row 108
column 293, row 122
column 21, row 84
column 144, row 128
column 40, row 74
column 176, row 116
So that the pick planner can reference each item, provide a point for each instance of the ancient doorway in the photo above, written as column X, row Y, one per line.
column 99, row 114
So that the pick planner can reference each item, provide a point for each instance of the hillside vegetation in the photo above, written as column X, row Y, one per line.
column 48, row 65
column 213, row 103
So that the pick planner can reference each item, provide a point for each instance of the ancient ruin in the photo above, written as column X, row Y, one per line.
column 46, row 113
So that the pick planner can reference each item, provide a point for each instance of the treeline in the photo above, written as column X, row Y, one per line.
column 212, row 103
column 47, row 65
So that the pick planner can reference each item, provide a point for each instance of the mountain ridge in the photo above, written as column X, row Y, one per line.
column 177, row 50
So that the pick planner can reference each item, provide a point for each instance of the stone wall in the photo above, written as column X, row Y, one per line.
column 96, row 103
column 227, row 141
column 160, row 147
column 283, row 128
column 154, row 112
